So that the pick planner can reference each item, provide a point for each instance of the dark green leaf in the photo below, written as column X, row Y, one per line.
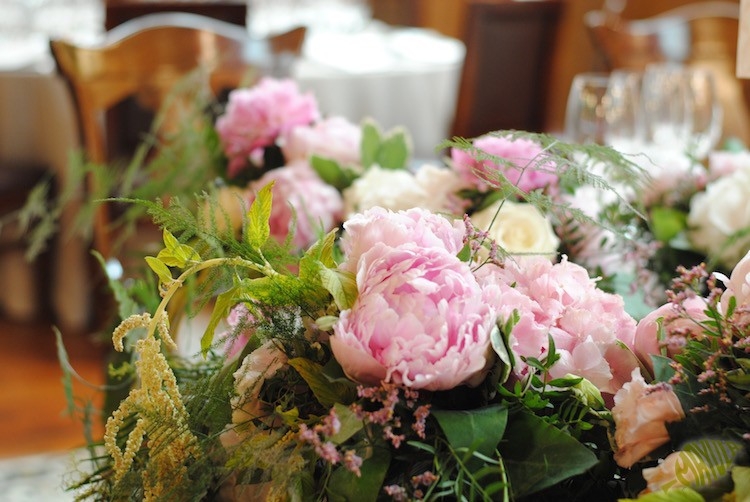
column 537, row 455
column 345, row 486
column 326, row 391
column 479, row 429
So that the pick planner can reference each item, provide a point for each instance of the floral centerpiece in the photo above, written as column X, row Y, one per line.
column 383, row 331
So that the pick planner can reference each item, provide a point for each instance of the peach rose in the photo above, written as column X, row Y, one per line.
column 677, row 470
column 640, row 413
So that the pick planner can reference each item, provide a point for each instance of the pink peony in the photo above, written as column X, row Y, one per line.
column 527, row 169
column 417, row 225
column 299, row 191
column 256, row 116
column 678, row 323
column 421, row 319
column 333, row 138
column 640, row 414
column 592, row 332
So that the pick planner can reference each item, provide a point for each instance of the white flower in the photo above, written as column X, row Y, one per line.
column 430, row 187
column 518, row 228
column 717, row 213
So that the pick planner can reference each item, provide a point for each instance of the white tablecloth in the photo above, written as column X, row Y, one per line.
column 37, row 124
column 399, row 77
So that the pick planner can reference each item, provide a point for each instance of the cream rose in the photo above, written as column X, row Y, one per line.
column 717, row 213
column 517, row 227
column 430, row 187
column 228, row 210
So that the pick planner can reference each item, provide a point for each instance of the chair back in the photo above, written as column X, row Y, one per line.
column 697, row 34
column 145, row 58
column 504, row 80
column 117, row 12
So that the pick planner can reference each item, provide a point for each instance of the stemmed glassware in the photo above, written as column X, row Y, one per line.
column 668, row 106
column 603, row 108
column 704, row 112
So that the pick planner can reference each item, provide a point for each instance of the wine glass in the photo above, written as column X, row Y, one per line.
column 584, row 115
column 704, row 112
column 664, row 98
column 603, row 109
column 624, row 126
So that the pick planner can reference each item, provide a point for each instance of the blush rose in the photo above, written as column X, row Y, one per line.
column 640, row 414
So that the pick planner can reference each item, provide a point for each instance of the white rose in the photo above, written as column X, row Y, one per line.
column 717, row 213
column 518, row 228
column 431, row 188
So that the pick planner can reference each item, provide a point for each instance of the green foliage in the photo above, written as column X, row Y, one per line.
column 258, row 230
column 388, row 150
column 333, row 173
column 667, row 222
column 344, row 485
column 327, row 391
column 478, row 430
column 537, row 455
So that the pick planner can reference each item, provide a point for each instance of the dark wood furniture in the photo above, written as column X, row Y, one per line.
column 509, row 48
column 117, row 12
column 145, row 58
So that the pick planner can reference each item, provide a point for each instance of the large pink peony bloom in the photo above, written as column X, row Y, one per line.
column 527, row 169
column 640, row 413
column 255, row 117
column 333, row 138
column 592, row 332
column 417, row 225
column 299, row 191
column 421, row 319
column 678, row 323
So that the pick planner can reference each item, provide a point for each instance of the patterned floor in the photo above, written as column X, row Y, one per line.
column 36, row 478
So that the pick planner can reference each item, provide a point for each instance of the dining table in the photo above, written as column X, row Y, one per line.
column 398, row 76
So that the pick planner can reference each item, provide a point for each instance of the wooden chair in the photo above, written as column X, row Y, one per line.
column 507, row 67
column 116, row 12
column 145, row 58
column 699, row 34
